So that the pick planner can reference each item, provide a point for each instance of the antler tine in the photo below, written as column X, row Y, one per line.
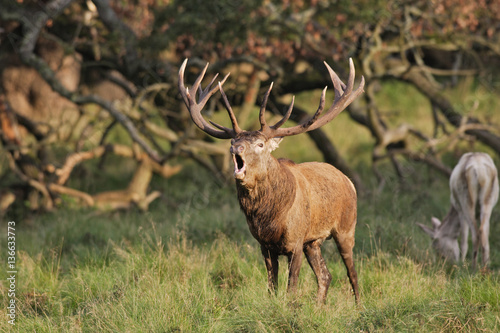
column 305, row 126
column 342, row 99
column 232, row 117
column 338, row 85
column 350, row 80
column 195, row 107
column 197, row 83
column 286, row 116
column 262, row 112
column 205, row 94
column 350, row 83
column 344, row 95
column 183, row 90
column 320, row 109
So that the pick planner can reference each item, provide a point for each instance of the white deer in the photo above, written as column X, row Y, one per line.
column 473, row 183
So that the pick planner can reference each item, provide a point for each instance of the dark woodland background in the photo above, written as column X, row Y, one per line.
column 86, row 80
column 126, row 214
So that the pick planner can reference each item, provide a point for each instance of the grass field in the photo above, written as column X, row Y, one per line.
column 191, row 265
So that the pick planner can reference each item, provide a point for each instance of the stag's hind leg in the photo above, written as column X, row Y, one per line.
column 484, row 231
column 318, row 265
column 488, row 199
column 483, row 235
column 345, row 246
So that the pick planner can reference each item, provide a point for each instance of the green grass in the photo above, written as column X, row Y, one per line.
column 191, row 265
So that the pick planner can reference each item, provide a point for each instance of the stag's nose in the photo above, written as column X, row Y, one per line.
column 236, row 149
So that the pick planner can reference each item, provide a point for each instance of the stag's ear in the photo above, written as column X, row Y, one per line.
column 274, row 143
column 426, row 229
column 435, row 222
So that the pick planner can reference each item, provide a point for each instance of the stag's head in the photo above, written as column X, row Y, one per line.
column 445, row 236
column 251, row 150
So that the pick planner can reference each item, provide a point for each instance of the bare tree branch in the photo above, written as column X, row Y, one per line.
column 74, row 159
column 31, row 32
column 114, row 24
column 415, row 77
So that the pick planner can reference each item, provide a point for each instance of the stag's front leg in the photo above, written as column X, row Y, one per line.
column 272, row 266
column 318, row 265
column 294, row 263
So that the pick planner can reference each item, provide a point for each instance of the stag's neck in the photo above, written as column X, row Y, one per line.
column 451, row 223
column 268, row 200
column 278, row 180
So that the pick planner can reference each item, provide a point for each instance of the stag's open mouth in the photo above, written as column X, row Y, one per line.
column 239, row 166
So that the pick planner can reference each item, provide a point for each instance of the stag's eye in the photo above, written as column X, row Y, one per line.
column 260, row 145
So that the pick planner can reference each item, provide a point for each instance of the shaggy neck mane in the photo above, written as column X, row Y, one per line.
column 266, row 204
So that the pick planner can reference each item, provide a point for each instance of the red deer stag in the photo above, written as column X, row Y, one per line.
column 473, row 183
column 290, row 208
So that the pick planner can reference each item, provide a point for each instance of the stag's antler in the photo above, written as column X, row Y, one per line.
column 342, row 99
column 204, row 95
